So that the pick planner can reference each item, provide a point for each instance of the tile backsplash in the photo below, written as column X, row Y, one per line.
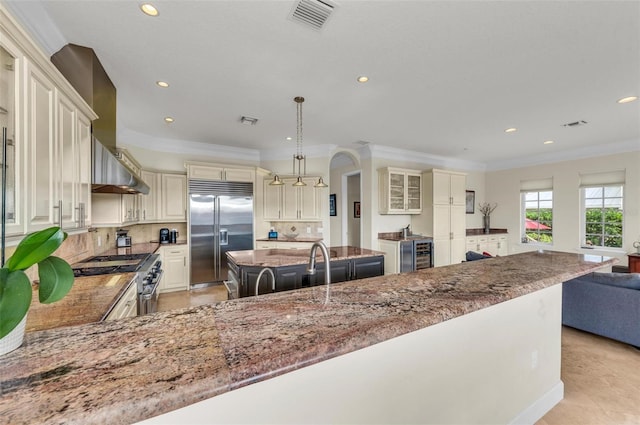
column 301, row 227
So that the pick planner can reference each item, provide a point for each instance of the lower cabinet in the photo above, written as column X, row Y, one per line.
column 296, row 276
column 127, row 305
column 175, row 265
column 496, row 244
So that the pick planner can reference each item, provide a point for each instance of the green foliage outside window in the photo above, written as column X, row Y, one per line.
column 544, row 217
column 603, row 227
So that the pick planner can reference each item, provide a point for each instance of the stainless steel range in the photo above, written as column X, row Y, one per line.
column 148, row 269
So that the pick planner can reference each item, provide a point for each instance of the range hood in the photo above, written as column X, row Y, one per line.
column 111, row 175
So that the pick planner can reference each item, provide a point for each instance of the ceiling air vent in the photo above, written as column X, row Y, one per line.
column 312, row 13
column 574, row 124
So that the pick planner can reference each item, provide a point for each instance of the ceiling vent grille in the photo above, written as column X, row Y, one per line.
column 574, row 124
column 312, row 13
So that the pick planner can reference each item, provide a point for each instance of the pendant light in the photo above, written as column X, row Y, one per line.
column 299, row 159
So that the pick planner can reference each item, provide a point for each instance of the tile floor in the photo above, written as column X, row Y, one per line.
column 601, row 376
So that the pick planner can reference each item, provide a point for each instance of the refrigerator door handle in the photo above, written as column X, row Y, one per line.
column 224, row 237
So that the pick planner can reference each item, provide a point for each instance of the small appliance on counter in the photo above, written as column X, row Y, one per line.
column 173, row 236
column 164, row 235
column 273, row 234
column 122, row 240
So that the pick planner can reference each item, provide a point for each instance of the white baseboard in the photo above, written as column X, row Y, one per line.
column 540, row 407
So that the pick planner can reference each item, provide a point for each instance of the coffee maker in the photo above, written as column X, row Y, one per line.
column 164, row 235
column 173, row 236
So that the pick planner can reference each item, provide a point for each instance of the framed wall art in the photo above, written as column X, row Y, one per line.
column 356, row 209
column 332, row 205
column 471, row 201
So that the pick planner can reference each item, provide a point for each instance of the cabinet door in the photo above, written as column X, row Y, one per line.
column 503, row 246
column 83, row 143
column 458, row 233
column 289, row 277
column 397, row 191
column 149, row 203
column 66, row 160
column 10, row 104
column 174, row 265
column 289, row 209
column 40, row 139
column 174, row 197
column 441, row 188
column 458, row 189
column 239, row 175
column 367, row 267
column 272, row 201
column 309, row 201
column 441, row 235
column 414, row 192
column 205, row 172
column 340, row 272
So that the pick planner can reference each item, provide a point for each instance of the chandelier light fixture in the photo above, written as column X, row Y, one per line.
column 299, row 159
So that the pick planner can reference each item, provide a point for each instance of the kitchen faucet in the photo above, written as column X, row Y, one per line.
column 311, row 269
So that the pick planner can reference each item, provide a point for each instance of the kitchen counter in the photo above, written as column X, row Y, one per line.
column 131, row 369
column 89, row 300
column 479, row 232
column 288, row 257
column 284, row 239
column 90, row 297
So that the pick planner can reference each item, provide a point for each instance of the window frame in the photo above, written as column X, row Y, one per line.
column 523, row 216
column 583, row 218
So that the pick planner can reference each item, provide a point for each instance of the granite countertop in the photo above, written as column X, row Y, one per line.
column 90, row 297
column 289, row 257
column 127, row 370
column 283, row 239
column 89, row 300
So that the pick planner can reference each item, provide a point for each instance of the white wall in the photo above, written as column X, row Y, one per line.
column 497, row 365
column 503, row 187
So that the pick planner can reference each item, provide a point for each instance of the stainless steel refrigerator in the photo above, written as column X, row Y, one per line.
column 220, row 220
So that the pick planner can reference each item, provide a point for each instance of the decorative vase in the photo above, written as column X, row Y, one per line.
column 13, row 339
column 486, row 220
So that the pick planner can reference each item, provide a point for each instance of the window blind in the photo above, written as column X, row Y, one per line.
column 537, row 185
column 602, row 179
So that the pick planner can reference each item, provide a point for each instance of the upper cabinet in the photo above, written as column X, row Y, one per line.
column 400, row 191
column 204, row 171
column 166, row 202
column 292, row 203
column 173, row 206
column 48, row 139
column 58, row 151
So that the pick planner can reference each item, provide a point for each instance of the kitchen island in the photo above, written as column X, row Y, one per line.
column 289, row 268
column 502, row 312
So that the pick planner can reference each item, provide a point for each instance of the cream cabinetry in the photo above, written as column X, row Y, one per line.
column 50, row 135
column 218, row 172
column 175, row 265
column 444, row 217
column 166, row 202
column 127, row 305
column 400, row 191
column 59, row 155
column 173, row 197
column 149, row 205
column 292, row 203
column 496, row 244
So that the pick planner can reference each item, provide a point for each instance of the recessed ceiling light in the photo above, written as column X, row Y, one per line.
column 363, row 79
column 168, row 120
column 162, row 84
column 548, row 142
column 149, row 9
column 511, row 130
column 289, row 139
column 628, row 99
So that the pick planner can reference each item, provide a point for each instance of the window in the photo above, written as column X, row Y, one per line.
column 602, row 216
column 537, row 220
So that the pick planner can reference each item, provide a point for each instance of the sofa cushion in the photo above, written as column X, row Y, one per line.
column 623, row 280
column 472, row 256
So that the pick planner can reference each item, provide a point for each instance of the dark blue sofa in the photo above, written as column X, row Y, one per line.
column 606, row 304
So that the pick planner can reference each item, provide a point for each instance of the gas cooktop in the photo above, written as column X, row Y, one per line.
column 105, row 264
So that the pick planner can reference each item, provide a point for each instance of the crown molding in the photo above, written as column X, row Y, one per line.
column 141, row 140
column 388, row 152
column 34, row 19
column 625, row 146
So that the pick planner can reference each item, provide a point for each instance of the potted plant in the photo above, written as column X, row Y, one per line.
column 486, row 209
column 56, row 279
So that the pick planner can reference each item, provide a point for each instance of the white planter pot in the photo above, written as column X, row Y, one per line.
column 13, row 339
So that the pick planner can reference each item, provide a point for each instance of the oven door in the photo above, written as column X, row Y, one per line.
column 148, row 300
